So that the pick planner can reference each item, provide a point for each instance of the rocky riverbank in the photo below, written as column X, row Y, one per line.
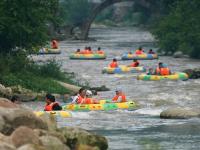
column 193, row 73
column 22, row 130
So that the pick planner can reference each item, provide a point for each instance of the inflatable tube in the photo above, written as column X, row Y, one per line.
column 175, row 76
column 50, row 51
column 123, row 69
column 139, row 57
column 101, row 106
column 64, row 114
column 87, row 56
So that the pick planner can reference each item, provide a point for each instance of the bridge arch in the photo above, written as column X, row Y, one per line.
column 85, row 26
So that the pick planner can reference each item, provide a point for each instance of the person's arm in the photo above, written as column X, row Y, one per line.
column 74, row 101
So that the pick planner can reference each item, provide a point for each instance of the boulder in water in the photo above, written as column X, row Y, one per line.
column 178, row 113
column 24, row 135
column 178, row 54
column 13, row 116
column 77, row 136
column 193, row 73
column 53, row 143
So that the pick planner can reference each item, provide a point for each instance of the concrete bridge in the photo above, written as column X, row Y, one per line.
column 100, row 5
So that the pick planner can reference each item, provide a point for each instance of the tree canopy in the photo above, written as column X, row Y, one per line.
column 180, row 29
column 23, row 23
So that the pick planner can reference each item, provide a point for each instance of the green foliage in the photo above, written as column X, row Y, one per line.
column 23, row 23
column 16, row 69
column 180, row 29
column 74, row 12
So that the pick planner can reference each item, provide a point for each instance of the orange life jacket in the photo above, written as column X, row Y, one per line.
column 54, row 44
column 113, row 65
column 80, row 100
column 88, row 101
column 135, row 64
column 138, row 52
column 122, row 96
column 163, row 71
column 100, row 52
column 50, row 106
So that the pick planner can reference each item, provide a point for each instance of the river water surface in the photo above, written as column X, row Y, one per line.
column 142, row 128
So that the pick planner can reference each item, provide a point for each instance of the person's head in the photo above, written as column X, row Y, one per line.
column 99, row 48
column 140, row 48
column 15, row 99
column 114, row 60
column 82, row 92
column 86, row 47
column 150, row 50
column 89, row 93
column 49, row 98
column 89, row 48
column 130, row 52
column 160, row 64
column 78, row 50
column 134, row 60
column 118, row 91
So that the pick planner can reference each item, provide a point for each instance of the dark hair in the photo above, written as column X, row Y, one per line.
column 114, row 59
column 134, row 59
column 50, row 97
column 81, row 90
column 89, row 48
column 14, row 98
column 140, row 48
column 150, row 49
column 99, row 48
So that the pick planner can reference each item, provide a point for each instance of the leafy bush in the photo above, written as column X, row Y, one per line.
column 180, row 29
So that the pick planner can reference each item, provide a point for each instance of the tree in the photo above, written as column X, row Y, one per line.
column 180, row 29
column 23, row 23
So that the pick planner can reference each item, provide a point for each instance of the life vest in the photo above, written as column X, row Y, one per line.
column 100, row 52
column 138, row 52
column 50, row 106
column 162, row 71
column 88, row 101
column 54, row 44
column 113, row 65
column 80, row 100
column 135, row 64
column 122, row 96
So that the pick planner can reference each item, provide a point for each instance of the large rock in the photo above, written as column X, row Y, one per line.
column 24, row 94
column 70, row 87
column 6, row 146
column 5, row 91
column 12, row 118
column 24, row 135
column 77, row 136
column 52, row 143
column 7, row 103
column 193, row 73
column 50, row 120
column 178, row 54
column 41, row 132
column 178, row 113
column 31, row 147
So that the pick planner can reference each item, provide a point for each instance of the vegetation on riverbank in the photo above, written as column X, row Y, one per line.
column 179, row 28
column 18, row 70
column 24, row 26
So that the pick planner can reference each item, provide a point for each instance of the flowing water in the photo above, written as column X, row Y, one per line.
column 142, row 128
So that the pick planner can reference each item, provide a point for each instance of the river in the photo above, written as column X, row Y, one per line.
column 142, row 128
